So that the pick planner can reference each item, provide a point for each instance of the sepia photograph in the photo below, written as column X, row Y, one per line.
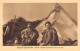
column 40, row 24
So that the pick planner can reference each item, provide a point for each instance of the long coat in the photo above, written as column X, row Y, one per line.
column 50, row 37
column 29, row 37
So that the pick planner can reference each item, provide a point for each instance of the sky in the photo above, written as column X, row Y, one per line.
column 35, row 11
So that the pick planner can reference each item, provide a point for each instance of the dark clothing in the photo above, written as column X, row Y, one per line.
column 7, row 34
column 50, row 37
column 29, row 37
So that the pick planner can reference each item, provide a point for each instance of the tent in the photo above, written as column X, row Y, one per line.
column 60, row 20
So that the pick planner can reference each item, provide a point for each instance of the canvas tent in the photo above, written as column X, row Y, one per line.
column 61, row 21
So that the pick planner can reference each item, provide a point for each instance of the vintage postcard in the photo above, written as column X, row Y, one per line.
column 39, row 25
